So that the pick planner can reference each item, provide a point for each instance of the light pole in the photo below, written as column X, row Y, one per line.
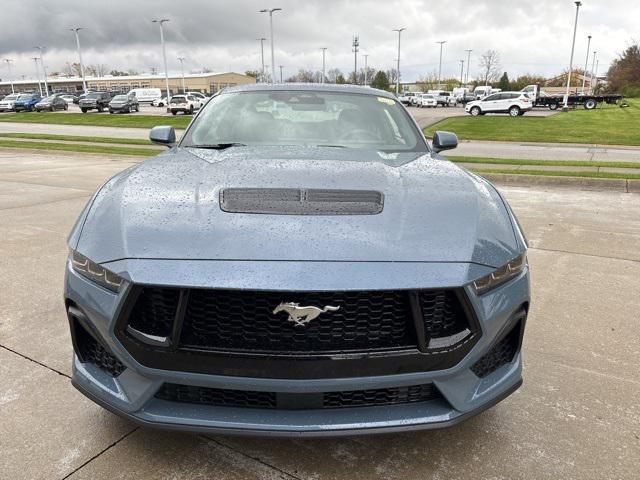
column 365, row 68
column 573, row 46
column 593, row 65
column 76, row 30
column 461, row 71
column 281, row 67
column 164, row 54
column 273, row 62
column 586, row 63
column 596, row 75
column 261, row 40
column 399, row 30
column 44, row 71
column 440, row 67
column 356, row 48
column 466, row 81
column 8, row 60
column 324, row 51
column 35, row 59
column 181, row 60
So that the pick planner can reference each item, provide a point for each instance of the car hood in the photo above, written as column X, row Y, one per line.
column 168, row 208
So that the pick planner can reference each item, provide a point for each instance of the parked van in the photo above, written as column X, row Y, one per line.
column 146, row 94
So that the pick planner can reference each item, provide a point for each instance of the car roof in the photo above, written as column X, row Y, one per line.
column 308, row 87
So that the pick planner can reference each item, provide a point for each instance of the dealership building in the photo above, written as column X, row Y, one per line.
column 196, row 82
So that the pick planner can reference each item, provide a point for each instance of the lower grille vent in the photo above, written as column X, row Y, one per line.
column 502, row 353
column 92, row 351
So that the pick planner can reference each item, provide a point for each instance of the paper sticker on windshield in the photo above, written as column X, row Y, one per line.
column 388, row 101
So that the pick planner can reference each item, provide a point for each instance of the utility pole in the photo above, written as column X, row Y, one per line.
column 35, row 59
column 461, row 71
column 324, row 51
column 596, row 75
column 9, row 61
column 593, row 65
column 440, row 67
column 84, row 83
column 586, row 63
column 164, row 54
column 399, row 30
column 356, row 47
column 466, row 82
column 365, row 69
column 281, row 67
column 181, row 60
column 44, row 72
column 261, row 40
column 573, row 46
column 273, row 62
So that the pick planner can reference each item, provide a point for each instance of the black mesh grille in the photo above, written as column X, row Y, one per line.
column 269, row 400
column 216, row 396
column 442, row 312
column 501, row 354
column 92, row 351
column 155, row 311
column 244, row 320
column 381, row 396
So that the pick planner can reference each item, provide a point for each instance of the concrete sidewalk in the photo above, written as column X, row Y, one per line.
column 546, row 151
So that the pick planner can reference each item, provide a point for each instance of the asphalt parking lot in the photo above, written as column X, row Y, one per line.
column 576, row 416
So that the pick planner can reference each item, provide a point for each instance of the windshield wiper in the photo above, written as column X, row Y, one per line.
column 331, row 146
column 218, row 146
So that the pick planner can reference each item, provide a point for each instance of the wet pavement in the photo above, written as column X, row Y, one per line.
column 576, row 416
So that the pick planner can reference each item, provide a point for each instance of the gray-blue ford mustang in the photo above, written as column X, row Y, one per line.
column 300, row 263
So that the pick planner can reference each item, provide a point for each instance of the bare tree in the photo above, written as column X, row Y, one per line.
column 333, row 74
column 392, row 74
column 490, row 66
column 97, row 70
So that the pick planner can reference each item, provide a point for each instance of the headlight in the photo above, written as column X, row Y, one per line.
column 500, row 275
column 95, row 272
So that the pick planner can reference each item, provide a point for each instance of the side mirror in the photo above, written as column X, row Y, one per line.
column 444, row 141
column 163, row 136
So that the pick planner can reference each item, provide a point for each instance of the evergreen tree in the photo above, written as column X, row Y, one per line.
column 380, row 81
column 504, row 83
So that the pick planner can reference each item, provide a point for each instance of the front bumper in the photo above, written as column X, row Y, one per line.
column 463, row 394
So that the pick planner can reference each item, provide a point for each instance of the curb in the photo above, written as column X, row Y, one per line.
column 611, row 184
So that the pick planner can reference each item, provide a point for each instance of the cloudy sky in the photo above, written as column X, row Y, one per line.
column 531, row 37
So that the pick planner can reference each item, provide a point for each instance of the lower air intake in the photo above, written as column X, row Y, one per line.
column 501, row 354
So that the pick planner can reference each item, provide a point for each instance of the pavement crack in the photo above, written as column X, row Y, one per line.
column 256, row 459
column 35, row 361
column 99, row 453
column 585, row 254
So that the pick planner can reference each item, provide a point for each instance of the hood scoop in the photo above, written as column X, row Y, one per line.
column 299, row 201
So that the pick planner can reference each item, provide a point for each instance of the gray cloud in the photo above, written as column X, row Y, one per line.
column 531, row 37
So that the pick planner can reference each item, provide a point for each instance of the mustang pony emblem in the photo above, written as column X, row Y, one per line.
column 302, row 315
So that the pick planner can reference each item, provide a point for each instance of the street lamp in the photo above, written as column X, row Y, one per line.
column 573, row 46
column 440, row 67
column 593, row 65
column 84, row 83
column 35, row 59
column 281, row 67
column 44, row 71
column 9, row 61
column 181, row 60
column 164, row 53
column 356, row 48
column 586, row 63
column 399, row 30
column 261, row 40
column 466, row 82
column 273, row 62
column 324, row 51
column 365, row 69
column 461, row 72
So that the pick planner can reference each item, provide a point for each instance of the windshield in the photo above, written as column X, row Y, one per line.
column 13, row 96
column 93, row 95
column 25, row 97
column 178, row 99
column 49, row 98
column 305, row 118
column 120, row 98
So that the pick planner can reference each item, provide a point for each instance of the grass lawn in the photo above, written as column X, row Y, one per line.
column 70, row 147
column 606, row 125
column 559, row 173
column 100, row 120
column 551, row 163
column 76, row 138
